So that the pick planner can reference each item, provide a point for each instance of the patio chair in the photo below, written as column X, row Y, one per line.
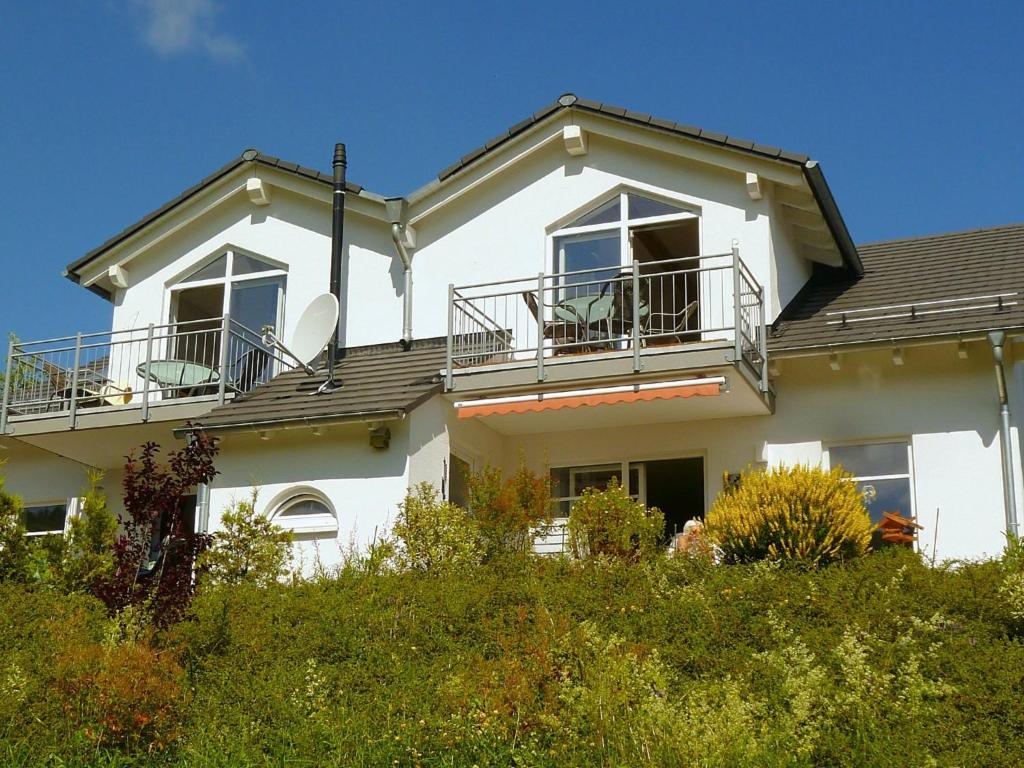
column 250, row 369
column 558, row 331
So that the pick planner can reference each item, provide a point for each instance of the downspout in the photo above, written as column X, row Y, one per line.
column 404, row 238
column 997, row 339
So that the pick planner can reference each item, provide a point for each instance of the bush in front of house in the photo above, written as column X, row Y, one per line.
column 509, row 511
column 247, row 547
column 433, row 535
column 799, row 514
column 612, row 524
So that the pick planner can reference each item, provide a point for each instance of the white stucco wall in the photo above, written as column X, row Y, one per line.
column 944, row 406
column 364, row 485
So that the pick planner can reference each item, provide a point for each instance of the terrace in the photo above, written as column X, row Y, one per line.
column 137, row 375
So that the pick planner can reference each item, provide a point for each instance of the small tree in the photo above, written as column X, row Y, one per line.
column 248, row 548
column 435, row 535
column 88, row 555
column 510, row 512
column 153, row 496
column 803, row 514
column 610, row 523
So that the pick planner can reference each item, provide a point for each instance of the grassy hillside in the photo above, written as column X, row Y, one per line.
column 538, row 663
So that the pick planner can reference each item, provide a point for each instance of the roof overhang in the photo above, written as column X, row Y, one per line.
column 227, row 183
column 803, row 194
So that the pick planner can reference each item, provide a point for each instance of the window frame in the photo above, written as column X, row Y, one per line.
column 623, row 225
column 70, row 508
column 278, row 273
column 908, row 475
column 306, row 523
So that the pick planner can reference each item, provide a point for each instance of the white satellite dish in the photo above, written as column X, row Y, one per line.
column 316, row 327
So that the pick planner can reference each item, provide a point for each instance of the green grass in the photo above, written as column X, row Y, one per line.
column 552, row 663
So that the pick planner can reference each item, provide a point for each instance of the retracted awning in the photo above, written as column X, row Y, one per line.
column 709, row 386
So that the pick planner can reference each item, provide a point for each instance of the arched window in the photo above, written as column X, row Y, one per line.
column 305, row 511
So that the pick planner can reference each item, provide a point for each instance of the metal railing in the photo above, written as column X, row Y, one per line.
column 135, row 367
column 637, row 307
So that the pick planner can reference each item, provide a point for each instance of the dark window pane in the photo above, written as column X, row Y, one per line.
column 216, row 268
column 254, row 305
column 604, row 214
column 247, row 265
column 598, row 253
column 305, row 507
column 458, row 481
column 883, row 496
column 44, row 518
column 871, row 460
column 645, row 207
column 560, row 482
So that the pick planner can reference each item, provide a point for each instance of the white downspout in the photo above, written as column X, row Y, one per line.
column 404, row 238
column 998, row 339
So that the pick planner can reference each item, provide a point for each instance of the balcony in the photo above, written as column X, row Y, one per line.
column 683, row 314
column 156, row 373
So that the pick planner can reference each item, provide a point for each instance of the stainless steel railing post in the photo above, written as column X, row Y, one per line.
column 8, row 375
column 147, row 365
column 222, row 367
column 636, row 316
column 449, row 377
column 73, row 410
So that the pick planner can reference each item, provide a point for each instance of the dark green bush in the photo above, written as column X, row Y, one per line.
column 672, row 661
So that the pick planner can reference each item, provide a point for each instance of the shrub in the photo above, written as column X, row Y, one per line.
column 610, row 523
column 87, row 558
column 800, row 513
column 15, row 549
column 1012, row 588
column 509, row 511
column 128, row 694
column 247, row 548
column 434, row 535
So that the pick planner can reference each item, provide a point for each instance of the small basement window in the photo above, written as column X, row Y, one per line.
column 44, row 519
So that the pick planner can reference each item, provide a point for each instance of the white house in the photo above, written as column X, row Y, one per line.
column 600, row 292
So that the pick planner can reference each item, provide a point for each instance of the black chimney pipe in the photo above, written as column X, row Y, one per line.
column 337, row 238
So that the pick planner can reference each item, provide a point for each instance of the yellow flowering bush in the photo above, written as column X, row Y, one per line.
column 800, row 513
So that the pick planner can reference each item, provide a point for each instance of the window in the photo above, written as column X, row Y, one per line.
column 600, row 237
column 663, row 238
column 458, row 480
column 251, row 290
column 306, row 512
column 42, row 519
column 882, row 471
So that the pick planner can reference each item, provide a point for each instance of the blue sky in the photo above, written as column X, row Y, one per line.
column 111, row 107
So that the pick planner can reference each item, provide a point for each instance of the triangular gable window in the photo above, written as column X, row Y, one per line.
column 603, row 214
column 247, row 265
column 216, row 268
column 646, row 207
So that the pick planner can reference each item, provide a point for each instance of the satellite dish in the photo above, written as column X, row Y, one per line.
column 316, row 327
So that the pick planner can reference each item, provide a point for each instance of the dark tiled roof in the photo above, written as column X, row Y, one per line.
column 963, row 271
column 571, row 101
column 381, row 379
column 249, row 155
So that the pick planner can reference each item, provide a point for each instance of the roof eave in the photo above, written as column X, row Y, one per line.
column 833, row 218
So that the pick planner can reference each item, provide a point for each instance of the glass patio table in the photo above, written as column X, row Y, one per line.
column 181, row 375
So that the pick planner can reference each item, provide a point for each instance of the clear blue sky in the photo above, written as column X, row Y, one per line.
column 111, row 107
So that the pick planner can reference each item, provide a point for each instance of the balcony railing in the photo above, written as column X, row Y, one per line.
column 136, row 367
column 704, row 300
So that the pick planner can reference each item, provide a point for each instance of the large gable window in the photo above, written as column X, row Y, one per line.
column 249, row 289
column 663, row 238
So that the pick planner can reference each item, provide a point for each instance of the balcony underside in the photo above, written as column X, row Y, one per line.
column 599, row 391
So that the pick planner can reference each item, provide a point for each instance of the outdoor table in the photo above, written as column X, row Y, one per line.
column 180, row 375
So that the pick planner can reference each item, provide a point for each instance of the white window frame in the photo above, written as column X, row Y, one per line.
column 624, row 225
column 181, row 283
column 302, row 524
column 70, row 508
column 908, row 475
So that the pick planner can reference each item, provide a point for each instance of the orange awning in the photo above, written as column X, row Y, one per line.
column 552, row 401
